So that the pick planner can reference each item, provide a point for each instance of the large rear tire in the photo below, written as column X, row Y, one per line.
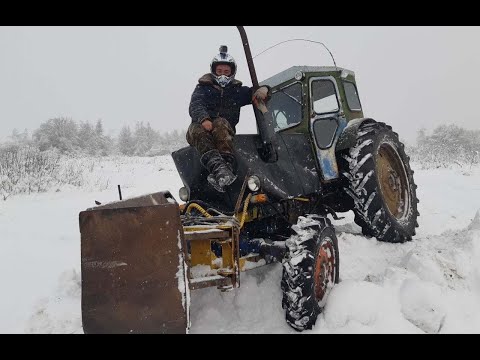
column 310, row 270
column 381, row 185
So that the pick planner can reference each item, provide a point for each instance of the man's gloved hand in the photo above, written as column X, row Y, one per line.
column 207, row 124
column 262, row 93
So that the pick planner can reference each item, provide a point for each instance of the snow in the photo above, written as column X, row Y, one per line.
column 254, row 264
column 201, row 271
column 428, row 285
column 213, row 230
column 181, row 276
column 182, row 270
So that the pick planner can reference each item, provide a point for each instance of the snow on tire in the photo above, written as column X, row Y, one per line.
column 380, row 182
column 310, row 269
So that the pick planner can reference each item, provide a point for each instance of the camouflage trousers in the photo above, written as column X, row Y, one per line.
column 220, row 138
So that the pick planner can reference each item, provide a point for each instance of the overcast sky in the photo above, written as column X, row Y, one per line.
column 408, row 77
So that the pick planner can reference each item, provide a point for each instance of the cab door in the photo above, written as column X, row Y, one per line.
column 326, row 123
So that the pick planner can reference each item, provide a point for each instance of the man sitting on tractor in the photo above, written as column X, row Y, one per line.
column 215, row 111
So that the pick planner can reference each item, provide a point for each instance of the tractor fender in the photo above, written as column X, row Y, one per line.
column 348, row 137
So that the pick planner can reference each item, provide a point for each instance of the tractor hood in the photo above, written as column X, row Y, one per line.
column 286, row 178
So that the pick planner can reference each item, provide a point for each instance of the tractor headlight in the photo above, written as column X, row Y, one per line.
column 183, row 194
column 253, row 183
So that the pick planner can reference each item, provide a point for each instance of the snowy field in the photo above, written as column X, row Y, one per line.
column 428, row 285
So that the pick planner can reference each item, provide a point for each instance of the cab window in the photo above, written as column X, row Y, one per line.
column 351, row 93
column 324, row 97
column 285, row 106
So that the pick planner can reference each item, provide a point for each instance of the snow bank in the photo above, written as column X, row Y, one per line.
column 428, row 285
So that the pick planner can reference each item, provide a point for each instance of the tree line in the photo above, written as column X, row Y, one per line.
column 84, row 138
column 445, row 145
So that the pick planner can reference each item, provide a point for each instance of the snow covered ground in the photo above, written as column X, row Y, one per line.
column 429, row 285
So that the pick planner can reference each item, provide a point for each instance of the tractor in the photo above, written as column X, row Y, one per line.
column 315, row 154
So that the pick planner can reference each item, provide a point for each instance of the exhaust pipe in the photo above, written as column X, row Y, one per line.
column 268, row 150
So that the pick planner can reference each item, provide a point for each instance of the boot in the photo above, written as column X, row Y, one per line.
column 232, row 166
column 220, row 174
column 213, row 181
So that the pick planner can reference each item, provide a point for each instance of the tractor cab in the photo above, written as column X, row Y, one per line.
column 304, row 94
column 319, row 101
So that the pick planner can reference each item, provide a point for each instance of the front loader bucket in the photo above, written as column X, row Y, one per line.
column 133, row 268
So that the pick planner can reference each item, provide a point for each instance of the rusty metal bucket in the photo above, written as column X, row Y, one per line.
column 133, row 267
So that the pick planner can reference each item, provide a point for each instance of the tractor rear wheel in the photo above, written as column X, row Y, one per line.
column 381, row 185
column 310, row 270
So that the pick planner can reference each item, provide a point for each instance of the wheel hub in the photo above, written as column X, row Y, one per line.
column 392, row 180
column 324, row 270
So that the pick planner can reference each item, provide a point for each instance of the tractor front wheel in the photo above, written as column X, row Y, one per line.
column 310, row 270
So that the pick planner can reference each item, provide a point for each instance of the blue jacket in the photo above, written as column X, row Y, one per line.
column 209, row 100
